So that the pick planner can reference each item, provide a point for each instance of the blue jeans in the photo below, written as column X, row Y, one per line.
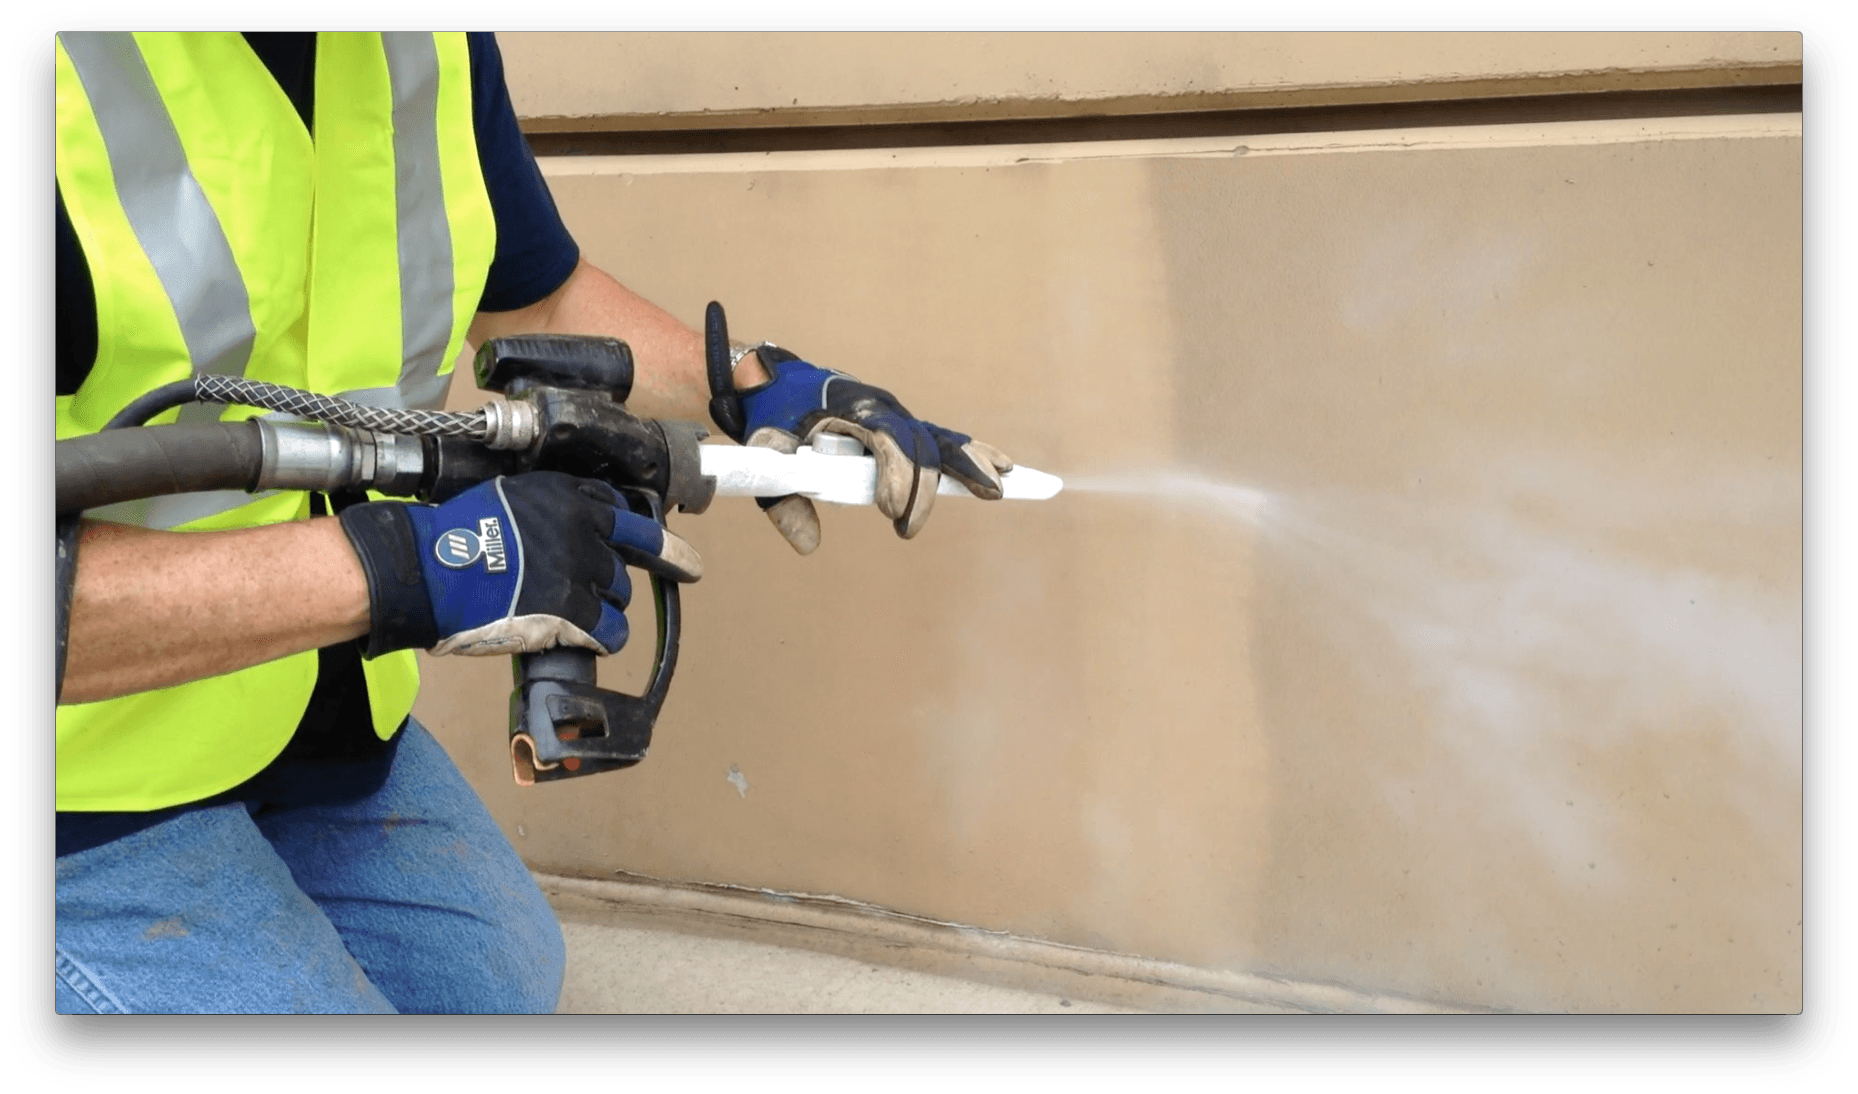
column 408, row 900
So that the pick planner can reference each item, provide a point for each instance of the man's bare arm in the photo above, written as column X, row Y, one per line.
column 155, row 609
column 670, row 379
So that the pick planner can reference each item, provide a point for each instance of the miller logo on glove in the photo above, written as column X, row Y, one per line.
column 514, row 565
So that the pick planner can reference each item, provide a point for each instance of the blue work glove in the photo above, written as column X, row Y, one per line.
column 802, row 400
column 513, row 565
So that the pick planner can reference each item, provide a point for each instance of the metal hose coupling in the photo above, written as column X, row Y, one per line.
column 510, row 424
column 320, row 456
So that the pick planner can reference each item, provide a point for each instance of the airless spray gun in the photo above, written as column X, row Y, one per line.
column 563, row 410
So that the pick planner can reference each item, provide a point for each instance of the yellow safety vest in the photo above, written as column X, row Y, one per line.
column 222, row 238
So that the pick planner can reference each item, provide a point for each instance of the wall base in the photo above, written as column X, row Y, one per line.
column 878, row 936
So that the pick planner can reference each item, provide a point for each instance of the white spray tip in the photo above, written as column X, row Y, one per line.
column 1021, row 483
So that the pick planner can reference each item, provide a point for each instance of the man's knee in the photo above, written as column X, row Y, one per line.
column 538, row 939
column 512, row 962
column 532, row 953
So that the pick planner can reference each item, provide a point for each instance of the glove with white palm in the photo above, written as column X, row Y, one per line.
column 801, row 400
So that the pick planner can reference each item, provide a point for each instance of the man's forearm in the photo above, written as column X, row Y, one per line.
column 156, row 609
column 670, row 378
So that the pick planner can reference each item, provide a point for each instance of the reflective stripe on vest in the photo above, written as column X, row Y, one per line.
column 181, row 235
column 222, row 239
column 171, row 217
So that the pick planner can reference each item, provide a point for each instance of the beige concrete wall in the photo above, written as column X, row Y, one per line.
column 1425, row 614
column 697, row 80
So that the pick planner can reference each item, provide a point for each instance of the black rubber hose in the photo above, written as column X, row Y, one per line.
column 126, row 464
column 68, row 531
column 151, row 403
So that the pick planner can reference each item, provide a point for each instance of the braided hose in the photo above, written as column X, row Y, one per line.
column 215, row 388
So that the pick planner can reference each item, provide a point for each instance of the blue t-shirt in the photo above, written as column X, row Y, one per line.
column 335, row 755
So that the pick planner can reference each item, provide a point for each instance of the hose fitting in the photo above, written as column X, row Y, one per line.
column 509, row 424
column 314, row 456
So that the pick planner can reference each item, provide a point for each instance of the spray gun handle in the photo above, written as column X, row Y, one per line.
column 563, row 724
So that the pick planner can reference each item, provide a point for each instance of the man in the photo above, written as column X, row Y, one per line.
column 249, row 819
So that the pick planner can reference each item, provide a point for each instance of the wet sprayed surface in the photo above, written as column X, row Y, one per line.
column 1423, row 613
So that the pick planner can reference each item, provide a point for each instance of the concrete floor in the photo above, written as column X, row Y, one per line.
column 639, row 945
column 642, row 970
